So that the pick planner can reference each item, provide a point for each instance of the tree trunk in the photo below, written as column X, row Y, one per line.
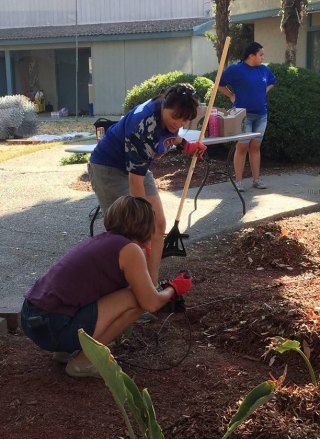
column 292, row 16
column 222, row 12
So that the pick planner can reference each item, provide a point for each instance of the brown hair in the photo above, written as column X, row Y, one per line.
column 132, row 217
column 182, row 98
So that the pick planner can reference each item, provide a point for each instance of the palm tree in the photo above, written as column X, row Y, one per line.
column 293, row 12
column 221, row 10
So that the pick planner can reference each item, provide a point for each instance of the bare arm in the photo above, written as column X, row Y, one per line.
column 228, row 93
column 270, row 87
column 133, row 263
column 136, row 185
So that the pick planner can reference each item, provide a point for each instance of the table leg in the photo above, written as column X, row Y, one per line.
column 228, row 172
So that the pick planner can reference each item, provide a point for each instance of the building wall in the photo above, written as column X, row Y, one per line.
column 204, row 57
column 29, row 13
column 248, row 6
column 267, row 32
column 118, row 66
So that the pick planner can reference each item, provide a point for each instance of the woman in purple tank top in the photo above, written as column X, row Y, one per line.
column 102, row 285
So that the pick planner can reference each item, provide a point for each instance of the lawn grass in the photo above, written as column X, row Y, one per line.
column 11, row 151
column 8, row 152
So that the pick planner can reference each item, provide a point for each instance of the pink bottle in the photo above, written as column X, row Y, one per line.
column 213, row 123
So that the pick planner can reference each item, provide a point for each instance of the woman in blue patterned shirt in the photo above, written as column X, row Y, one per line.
column 119, row 165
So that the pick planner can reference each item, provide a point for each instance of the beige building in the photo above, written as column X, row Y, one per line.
column 265, row 17
column 98, row 49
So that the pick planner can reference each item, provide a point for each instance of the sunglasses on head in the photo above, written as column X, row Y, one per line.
column 183, row 90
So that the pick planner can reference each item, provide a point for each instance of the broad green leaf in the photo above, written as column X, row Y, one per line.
column 123, row 388
column 136, row 403
column 101, row 357
column 282, row 345
column 287, row 345
column 257, row 397
column 154, row 428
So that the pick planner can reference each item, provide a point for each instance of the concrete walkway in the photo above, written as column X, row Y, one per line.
column 41, row 217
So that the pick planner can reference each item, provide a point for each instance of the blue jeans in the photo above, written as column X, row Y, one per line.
column 57, row 332
column 255, row 123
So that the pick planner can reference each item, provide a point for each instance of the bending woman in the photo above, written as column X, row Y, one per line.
column 119, row 165
column 102, row 285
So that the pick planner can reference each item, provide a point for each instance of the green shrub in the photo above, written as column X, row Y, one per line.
column 153, row 86
column 75, row 158
column 293, row 127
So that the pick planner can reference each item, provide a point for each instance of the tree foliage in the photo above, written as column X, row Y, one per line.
column 240, row 33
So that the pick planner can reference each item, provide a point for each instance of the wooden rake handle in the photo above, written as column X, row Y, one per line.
column 204, row 126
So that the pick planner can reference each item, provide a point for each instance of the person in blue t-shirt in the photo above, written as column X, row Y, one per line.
column 250, row 82
column 119, row 164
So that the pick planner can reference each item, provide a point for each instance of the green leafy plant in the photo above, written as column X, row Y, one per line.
column 154, row 85
column 282, row 345
column 293, row 130
column 75, row 158
column 123, row 389
column 258, row 396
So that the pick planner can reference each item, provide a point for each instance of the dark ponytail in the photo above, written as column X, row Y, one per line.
column 251, row 49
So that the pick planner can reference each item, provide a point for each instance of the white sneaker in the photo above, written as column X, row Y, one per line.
column 259, row 184
column 78, row 369
column 239, row 186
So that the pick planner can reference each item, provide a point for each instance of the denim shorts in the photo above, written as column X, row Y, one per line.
column 255, row 123
column 57, row 332
column 111, row 183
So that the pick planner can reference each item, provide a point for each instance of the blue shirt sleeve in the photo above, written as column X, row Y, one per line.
column 227, row 76
column 140, row 146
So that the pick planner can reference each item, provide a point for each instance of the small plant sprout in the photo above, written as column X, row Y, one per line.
column 282, row 345
column 258, row 396
column 123, row 389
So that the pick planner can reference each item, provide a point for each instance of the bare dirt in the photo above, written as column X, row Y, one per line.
column 249, row 286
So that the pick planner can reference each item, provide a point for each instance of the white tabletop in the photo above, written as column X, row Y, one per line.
column 190, row 135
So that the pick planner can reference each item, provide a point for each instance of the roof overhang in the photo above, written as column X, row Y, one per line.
column 158, row 29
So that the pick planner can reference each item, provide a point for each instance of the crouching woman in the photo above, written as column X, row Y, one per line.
column 102, row 285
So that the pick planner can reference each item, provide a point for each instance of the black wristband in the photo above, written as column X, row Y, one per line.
column 180, row 146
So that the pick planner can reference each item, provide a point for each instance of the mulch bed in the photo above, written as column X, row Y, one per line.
column 249, row 286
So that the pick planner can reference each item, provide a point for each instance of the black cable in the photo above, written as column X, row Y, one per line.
column 120, row 360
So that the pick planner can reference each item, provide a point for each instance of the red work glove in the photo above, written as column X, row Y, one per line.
column 190, row 148
column 181, row 284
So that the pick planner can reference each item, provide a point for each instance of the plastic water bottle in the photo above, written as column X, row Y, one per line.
column 213, row 123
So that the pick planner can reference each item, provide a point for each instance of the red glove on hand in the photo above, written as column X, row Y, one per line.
column 190, row 148
column 181, row 284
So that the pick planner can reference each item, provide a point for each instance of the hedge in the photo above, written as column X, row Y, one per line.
column 153, row 86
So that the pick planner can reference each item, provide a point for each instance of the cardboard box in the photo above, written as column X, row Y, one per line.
column 231, row 122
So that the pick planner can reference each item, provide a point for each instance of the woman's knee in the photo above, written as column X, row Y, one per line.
column 254, row 146
column 242, row 148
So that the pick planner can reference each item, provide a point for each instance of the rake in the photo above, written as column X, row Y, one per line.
column 173, row 244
